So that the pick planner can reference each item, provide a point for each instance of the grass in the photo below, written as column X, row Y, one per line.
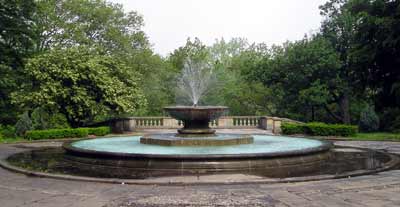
column 12, row 140
column 377, row 136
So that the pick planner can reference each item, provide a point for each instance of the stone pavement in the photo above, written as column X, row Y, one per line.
column 382, row 189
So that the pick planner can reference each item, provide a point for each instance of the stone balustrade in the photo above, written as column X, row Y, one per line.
column 132, row 124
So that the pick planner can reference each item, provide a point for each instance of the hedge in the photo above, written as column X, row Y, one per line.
column 291, row 128
column 319, row 129
column 66, row 133
column 99, row 131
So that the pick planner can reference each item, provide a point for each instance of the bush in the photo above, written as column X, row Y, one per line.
column 56, row 133
column 66, row 133
column 319, row 129
column 58, row 121
column 24, row 124
column 99, row 131
column 7, row 131
column 369, row 121
column 322, row 129
column 291, row 128
column 390, row 120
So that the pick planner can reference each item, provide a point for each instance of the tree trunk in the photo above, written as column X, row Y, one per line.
column 344, row 104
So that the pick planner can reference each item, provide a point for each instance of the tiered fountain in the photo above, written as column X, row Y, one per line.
column 196, row 148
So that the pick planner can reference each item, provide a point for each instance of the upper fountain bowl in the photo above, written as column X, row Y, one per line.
column 196, row 118
column 194, row 113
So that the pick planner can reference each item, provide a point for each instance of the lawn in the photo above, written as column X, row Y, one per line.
column 377, row 136
column 12, row 140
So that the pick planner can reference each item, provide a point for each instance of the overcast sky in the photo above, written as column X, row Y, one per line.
column 168, row 23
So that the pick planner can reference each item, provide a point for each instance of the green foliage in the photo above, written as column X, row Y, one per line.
column 17, row 38
column 319, row 129
column 377, row 136
column 292, row 128
column 58, row 121
column 7, row 131
column 80, row 84
column 96, row 24
column 45, row 119
column 322, row 129
column 99, row 131
column 66, row 133
column 369, row 120
column 23, row 125
column 40, row 119
column 390, row 120
column 303, row 76
column 56, row 133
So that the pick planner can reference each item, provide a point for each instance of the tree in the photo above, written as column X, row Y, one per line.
column 16, row 42
column 339, row 28
column 93, row 23
column 303, row 76
column 376, row 50
column 81, row 84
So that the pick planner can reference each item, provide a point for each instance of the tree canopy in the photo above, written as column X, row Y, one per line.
column 89, row 60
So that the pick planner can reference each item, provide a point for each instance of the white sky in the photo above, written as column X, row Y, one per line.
column 168, row 23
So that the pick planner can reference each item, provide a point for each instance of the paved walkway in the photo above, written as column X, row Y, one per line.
column 382, row 189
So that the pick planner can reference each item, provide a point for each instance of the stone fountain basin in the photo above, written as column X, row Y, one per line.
column 196, row 113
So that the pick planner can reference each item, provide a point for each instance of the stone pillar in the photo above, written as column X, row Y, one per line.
column 277, row 126
column 270, row 123
column 117, row 126
column 263, row 123
column 129, row 125
column 225, row 122
column 169, row 122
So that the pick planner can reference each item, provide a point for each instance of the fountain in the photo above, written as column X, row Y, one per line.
column 196, row 148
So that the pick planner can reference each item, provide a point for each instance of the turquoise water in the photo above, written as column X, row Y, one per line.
column 262, row 144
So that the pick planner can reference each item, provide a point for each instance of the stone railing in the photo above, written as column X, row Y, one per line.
column 226, row 122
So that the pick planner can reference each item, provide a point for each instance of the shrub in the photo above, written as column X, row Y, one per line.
column 56, row 133
column 319, row 129
column 40, row 119
column 369, row 121
column 390, row 120
column 58, row 121
column 322, row 129
column 291, row 128
column 66, row 133
column 99, row 131
column 24, row 124
column 7, row 131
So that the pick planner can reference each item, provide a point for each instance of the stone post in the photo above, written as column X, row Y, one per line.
column 263, row 123
column 169, row 122
column 129, row 124
column 117, row 126
column 277, row 126
column 225, row 122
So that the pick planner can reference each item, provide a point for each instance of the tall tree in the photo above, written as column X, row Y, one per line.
column 16, row 41
column 93, row 23
column 339, row 28
column 377, row 49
